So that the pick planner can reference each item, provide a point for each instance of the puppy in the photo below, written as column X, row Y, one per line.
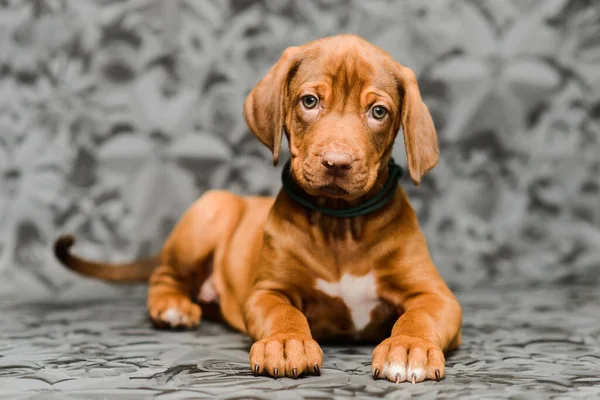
column 338, row 254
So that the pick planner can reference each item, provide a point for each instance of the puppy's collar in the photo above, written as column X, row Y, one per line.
column 375, row 203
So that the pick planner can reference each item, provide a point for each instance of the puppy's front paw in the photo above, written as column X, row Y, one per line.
column 286, row 355
column 406, row 358
column 173, row 311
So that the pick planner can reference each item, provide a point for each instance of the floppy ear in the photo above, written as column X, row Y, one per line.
column 264, row 108
column 420, row 137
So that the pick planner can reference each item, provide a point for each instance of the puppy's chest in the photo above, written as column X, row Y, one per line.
column 350, row 307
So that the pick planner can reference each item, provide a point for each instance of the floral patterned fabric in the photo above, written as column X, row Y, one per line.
column 115, row 115
column 541, row 343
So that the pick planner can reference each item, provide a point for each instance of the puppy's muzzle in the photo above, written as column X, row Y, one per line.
column 337, row 163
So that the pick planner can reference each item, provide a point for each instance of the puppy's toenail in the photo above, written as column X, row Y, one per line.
column 376, row 373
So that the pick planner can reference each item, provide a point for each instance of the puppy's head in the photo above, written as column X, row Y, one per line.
column 341, row 101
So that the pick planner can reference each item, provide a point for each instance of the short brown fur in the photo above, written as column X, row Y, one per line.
column 262, row 256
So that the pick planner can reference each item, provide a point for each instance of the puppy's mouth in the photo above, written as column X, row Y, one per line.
column 316, row 182
column 332, row 189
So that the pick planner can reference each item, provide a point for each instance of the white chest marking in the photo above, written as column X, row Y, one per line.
column 357, row 292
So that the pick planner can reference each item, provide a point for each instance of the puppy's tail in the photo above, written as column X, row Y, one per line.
column 136, row 271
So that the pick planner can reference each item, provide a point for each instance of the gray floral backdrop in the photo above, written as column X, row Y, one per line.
column 115, row 115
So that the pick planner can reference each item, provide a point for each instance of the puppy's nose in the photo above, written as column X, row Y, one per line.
column 336, row 161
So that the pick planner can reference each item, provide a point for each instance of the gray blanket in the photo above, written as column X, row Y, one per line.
column 534, row 343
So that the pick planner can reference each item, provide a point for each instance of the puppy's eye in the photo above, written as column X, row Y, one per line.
column 309, row 101
column 379, row 112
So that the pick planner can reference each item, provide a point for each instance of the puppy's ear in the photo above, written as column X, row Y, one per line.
column 264, row 108
column 420, row 137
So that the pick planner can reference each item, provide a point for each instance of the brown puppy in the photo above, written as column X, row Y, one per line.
column 287, row 275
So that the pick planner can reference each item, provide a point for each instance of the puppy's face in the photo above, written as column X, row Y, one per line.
column 341, row 101
column 343, row 113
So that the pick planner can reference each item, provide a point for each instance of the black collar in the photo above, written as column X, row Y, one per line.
column 375, row 203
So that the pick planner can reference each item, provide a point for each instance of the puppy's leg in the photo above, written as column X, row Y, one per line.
column 284, row 345
column 169, row 299
column 187, row 257
column 429, row 326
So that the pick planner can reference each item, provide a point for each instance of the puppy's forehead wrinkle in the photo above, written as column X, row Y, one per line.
column 343, row 65
column 345, row 75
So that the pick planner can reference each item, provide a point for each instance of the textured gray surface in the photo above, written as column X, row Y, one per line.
column 116, row 114
column 535, row 343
